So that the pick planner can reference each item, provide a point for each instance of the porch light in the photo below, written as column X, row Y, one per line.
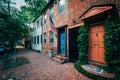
column 73, row 21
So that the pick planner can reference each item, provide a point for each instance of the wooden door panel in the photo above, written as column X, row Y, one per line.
column 92, row 53
column 100, row 55
column 100, row 28
column 96, row 46
column 92, row 43
column 92, row 38
column 100, row 36
column 62, row 42
column 100, row 39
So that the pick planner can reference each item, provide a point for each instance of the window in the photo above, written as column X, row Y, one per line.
column 34, row 26
column 34, row 40
column 61, row 6
column 45, row 16
column 52, row 12
column 37, row 23
column 37, row 39
column 41, row 21
column 31, row 39
column 41, row 38
column 44, row 37
column 51, row 37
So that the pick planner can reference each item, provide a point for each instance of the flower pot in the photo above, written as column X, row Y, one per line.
column 51, row 53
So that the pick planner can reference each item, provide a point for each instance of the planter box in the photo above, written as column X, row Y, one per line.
column 51, row 53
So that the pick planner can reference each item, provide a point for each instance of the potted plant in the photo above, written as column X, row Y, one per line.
column 51, row 52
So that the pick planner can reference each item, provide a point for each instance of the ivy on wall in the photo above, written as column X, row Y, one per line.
column 111, row 43
column 83, row 44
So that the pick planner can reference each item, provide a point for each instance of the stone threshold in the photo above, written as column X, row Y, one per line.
column 97, row 71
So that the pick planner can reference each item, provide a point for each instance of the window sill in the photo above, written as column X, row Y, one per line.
column 51, row 43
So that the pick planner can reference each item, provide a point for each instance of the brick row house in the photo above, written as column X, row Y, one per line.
column 36, row 35
column 67, row 16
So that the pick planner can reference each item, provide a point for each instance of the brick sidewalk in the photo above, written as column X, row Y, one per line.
column 43, row 68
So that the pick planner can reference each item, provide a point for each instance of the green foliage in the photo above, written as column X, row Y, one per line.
column 112, row 43
column 83, row 44
column 12, row 26
column 78, row 67
column 32, row 9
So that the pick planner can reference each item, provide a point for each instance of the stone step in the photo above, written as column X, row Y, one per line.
column 60, row 59
column 57, row 60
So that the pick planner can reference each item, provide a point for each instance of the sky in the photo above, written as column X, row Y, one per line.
column 18, row 3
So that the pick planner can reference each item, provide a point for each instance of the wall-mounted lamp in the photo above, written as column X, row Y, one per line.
column 73, row 21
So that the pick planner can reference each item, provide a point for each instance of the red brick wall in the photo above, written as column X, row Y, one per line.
column 62, row 18
column 77, row 7
column 74, row 9
column 59, row 21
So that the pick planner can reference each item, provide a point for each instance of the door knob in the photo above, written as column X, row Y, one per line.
column 94, row 44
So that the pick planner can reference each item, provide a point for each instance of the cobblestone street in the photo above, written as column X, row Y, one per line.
column 42, row 68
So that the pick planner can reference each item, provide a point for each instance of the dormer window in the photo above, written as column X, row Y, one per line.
column 61, row 6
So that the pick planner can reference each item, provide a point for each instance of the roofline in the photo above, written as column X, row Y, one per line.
column 48, row 4
column 96, row 6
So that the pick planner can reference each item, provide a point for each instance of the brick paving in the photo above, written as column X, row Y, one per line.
column 42, row 68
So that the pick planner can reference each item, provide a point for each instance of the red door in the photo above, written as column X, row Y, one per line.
column 96, row 45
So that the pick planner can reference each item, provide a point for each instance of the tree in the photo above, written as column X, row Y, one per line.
column 33, row 8
column 12, row 26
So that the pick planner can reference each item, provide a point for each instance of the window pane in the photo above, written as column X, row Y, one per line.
column 51, row 37
column 61, row 6
column 52, row 12
column 41, row 21
column 45, row 18
column 62, row 2
column 31, row 39
column 34, row 40
column 41, row 39
column 44, row 37
column 37, row 39
column 38, row 23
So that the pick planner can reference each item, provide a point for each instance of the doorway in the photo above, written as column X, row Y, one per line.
column 62, row 42
column 96, row 44
column 73, row 49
